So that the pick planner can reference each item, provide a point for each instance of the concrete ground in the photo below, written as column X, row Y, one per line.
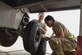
column 19, row 52
column 16, row 49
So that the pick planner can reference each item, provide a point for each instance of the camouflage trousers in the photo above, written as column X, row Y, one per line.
column 61, row 45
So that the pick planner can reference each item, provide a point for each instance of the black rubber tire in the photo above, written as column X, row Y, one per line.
column 5, row 39
column 32, row 37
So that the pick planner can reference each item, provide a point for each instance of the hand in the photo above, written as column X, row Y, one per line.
column 46, row 38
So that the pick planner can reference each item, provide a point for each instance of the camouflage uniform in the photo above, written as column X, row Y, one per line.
column 61, row 45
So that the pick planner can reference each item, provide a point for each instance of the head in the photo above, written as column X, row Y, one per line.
column 49, row 20
column 41, row 16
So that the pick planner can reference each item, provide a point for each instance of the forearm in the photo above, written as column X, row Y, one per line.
column 57, row 35
column 43, row 31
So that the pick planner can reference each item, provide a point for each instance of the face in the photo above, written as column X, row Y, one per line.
column 49, row 23
column 41, row 16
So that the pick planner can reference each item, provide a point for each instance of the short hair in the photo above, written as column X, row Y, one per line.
column 49, row 18
column 41, row 13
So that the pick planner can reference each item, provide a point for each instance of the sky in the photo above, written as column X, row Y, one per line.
column 70, row 18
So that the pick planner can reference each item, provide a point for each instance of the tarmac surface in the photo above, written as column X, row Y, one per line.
column 18, row 52
column 16, row 49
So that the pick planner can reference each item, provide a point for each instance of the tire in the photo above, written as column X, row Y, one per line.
column 32, row 37
column 7, row 39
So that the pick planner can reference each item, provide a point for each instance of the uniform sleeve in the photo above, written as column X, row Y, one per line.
column 57, row 29
column 44, row 27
